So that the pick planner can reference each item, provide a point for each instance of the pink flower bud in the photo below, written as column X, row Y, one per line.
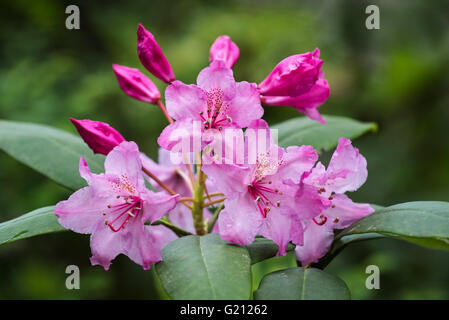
column 151, row 56
column 293, row 76
column 99, row 136
column 135, row 84
column 224, row 49
column 306, row 103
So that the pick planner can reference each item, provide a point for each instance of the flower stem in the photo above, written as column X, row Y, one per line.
column 179, row 231
column 214, row 218
column 213, row 202
column 215, row 194
column 164, row 111
column 163, row 185
column 198, row 201
column 159, row 182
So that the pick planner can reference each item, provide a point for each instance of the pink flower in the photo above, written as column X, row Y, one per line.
column 136, row 85
column 346, row 172
column 99, row 136
column 224, row 49
column 306, row 103
column 151, row 56
column 216, row 103
column 114, row 207
column 260, row 197
column 293, row 76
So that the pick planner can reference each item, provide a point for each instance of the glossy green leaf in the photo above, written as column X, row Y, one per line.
column 206, row 267
column 304, row 131
column 37, row 222
column 262, row 249
column 52, row 152
column 339, row 244
column 425, row 223
column 301, row 284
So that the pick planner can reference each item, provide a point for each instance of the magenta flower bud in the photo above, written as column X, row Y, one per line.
column 293, row 76
column 151, row 56
column 306, row 103
column 99, row 136
column 135, row 84
column 224, row 49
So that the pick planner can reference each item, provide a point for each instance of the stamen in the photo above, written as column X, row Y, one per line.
column 322, row 221
column 127, row 210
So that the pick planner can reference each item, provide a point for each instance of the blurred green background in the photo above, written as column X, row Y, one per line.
column 396, row 76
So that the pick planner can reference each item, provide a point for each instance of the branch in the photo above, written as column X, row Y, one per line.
column 214, row 218
column 179, row 231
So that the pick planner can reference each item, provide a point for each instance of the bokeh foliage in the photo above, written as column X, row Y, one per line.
column 395, row 76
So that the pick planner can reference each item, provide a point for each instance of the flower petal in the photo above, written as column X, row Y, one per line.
column 240, row 221
column 107, row 244
column 124, row 161
column 317, row 242
column 82, row 211
column 296, row 161
column 181, row 217
column 346, row 212
column 245, row 107
column 157, row 204
column 185, row 101
column 217, row 76
column 309, row 203
column 347, row 168
column 281, row 229
column 147, row 243
column 228, row 178
column 182, row 136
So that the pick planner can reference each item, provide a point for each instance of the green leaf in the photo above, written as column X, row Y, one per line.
column 40, row 221
column 301, row 284
column 206, row 267
column 262, row 249
column 339, row 244
column 52, row 152
column 304, row 131
column 423, row 222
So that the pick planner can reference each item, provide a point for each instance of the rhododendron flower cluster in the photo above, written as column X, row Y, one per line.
column 219, row 169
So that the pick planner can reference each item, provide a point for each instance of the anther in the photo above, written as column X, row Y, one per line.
column 278, row 204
